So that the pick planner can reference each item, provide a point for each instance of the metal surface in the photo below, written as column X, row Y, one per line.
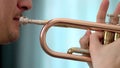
column 64, row 22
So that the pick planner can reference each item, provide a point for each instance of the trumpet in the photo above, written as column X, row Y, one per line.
column 72, row 23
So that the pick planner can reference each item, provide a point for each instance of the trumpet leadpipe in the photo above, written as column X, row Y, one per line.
column 25, row 20
column 72, row 23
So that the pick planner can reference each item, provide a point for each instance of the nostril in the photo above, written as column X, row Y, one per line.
column 24, row 8
column 24, row 5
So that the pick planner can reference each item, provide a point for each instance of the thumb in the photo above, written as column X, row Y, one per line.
column 84, row 41
column 95, row 42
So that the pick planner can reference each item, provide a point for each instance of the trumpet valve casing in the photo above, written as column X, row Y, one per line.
column 108, row 37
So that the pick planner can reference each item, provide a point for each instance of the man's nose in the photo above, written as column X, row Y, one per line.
column 25, row 4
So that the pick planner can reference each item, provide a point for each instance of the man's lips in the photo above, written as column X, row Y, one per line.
column 16, row 18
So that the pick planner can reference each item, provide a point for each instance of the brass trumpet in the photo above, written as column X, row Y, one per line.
column 64, row 22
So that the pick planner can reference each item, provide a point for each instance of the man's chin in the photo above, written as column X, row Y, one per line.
column 5, row 43
column 8, row 41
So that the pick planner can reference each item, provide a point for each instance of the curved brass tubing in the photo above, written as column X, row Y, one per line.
column 63, row 22
column 78, row 50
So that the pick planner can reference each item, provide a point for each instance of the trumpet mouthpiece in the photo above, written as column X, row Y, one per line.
column 23, row 20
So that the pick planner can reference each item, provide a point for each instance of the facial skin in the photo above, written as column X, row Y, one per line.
column 10, row 11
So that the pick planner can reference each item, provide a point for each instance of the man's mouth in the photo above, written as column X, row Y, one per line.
column 16, row 18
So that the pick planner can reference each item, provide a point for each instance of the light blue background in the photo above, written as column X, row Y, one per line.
column 29, row 52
